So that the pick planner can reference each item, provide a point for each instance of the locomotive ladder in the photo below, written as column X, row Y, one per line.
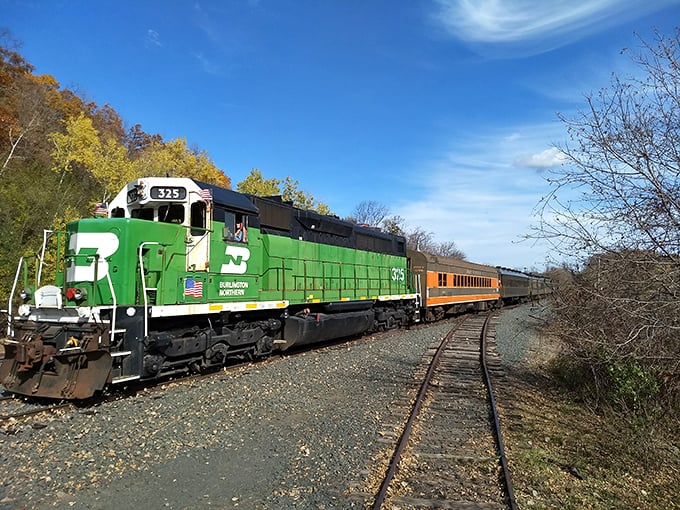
column 114, row 332
column 145, row 295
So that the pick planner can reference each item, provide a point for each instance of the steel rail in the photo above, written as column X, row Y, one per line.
column 25, row 414
column 506, row 478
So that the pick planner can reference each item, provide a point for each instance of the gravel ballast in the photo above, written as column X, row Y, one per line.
column 293, row 434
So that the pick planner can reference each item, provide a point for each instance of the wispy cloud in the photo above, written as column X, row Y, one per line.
column 153, row 39
column 220, row 36
column 205, row 21
column 208, row 66
column 532, row 27
column 481, row 193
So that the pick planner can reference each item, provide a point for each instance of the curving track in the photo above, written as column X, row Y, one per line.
column 450, row 454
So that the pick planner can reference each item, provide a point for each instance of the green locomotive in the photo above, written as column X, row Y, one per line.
column 181, row 275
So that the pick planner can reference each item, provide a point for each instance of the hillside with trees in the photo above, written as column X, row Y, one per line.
column 60, row 154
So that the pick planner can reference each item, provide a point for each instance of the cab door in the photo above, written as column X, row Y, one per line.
column 198, row 237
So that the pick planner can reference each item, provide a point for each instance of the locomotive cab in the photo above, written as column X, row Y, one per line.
column 179, row 203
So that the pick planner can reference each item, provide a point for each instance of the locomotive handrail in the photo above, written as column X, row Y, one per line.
column 188, row 229
column 115, row 305
column 144, row 287
column 11, row 298
column 42, row 255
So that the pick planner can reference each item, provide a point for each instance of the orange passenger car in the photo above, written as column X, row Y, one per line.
column 449, row 285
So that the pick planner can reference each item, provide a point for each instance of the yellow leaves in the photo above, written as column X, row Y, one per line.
column 47, row 80
column 81, row 147
column 113, row 169
column 107, row 163
column 256, row 184
column 176, row 159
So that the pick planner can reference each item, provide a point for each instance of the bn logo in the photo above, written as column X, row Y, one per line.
column 85, row 247
column 236, row 260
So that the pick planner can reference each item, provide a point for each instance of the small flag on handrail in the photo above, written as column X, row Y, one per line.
column 101, row 208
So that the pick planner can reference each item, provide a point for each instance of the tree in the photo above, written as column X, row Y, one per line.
column 137, row 141
column 256, row 184
column 25, row 210
column 422, row 240
column 395, row 225
column 302, row 199
column 620, row 225
column 370, row 213
column 26, row 114
column 624, row 159
column 81, row 150
column 109, row 124
column 174, row 158
column 449, row 249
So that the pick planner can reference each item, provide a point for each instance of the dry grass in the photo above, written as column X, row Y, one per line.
column 564, row 455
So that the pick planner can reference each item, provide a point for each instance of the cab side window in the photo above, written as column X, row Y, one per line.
column 234, row 225
column 198, row 219
column 240, row 229
column 229, row 226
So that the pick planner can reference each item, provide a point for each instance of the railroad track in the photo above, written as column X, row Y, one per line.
column 450, row 453
column 13, row 410
column 17, row 411
column 16, row 408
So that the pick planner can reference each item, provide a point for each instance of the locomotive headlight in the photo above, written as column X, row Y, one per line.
column 25, row 294
column 76, row 294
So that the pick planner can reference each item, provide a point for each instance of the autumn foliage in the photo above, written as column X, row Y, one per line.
column 60, row 154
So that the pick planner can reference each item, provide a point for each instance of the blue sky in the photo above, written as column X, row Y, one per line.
column 443, row 110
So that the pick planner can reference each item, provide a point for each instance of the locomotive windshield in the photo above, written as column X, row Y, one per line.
column 186, row 202
column 163, row 202
column 165, row 213
column 172, row 213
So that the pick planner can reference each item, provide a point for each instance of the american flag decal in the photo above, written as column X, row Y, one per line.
column 206, row 194
column 193, row 288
